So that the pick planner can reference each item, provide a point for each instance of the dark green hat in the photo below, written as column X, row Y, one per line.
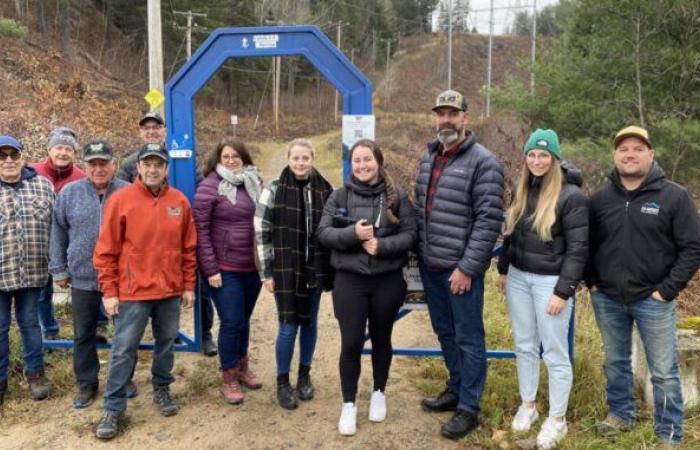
column 544, row 140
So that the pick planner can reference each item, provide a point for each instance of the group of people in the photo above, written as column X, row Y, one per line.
column 134, row 248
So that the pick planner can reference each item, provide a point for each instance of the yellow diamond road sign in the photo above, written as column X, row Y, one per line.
column 154, row 98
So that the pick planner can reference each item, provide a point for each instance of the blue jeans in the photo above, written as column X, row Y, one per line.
column 45, row 305
column 458, row 321
column 26, row 315
column 528, row 295
column 129, row 326
column 287, row 335
column 235, row 301
column 656, row 321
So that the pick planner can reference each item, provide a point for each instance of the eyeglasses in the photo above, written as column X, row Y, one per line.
column 14, row 156
column 151, row 128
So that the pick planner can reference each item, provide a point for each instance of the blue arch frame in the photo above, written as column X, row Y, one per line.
column 225, row 43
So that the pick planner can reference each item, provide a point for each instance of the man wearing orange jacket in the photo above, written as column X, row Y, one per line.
column 145, row 259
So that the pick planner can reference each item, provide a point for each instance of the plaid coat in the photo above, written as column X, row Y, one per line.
column 25, row 225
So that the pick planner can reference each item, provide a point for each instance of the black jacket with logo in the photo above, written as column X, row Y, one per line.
column 644, row 240
column 565, row 255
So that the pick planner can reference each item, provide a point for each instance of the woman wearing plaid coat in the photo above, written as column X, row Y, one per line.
column 292, row 264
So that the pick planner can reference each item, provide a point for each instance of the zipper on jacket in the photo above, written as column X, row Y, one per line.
column 626, row 230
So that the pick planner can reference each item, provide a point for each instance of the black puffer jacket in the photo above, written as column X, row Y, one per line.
column 467, row 209
column 367, row 202
column 643, row 240
column 565, row 255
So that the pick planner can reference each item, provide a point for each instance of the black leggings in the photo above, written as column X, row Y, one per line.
column 357, row 299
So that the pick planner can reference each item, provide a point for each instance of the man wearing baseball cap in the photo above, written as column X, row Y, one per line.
column 459, row 205
column 59, row 167
column 645, row 247
column 76, row 223
column 26, row 200
column 146, row 267
column 152, row 131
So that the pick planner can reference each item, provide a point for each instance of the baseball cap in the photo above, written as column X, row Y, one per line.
column 97, row 149
column 153, row 150
column 632, row 131
column 542, row 139
column 450, row 99
column 11, row 142
column 152, row 116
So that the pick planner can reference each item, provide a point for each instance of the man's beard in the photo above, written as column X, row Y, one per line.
column 448, row 136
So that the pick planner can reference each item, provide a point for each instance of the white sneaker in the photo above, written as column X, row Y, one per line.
column 347, row 425
column 551, row 433
column 524, row 418
column 377, row 406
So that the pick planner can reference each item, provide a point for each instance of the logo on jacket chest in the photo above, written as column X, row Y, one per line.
column 651, row 208
column 174, row 211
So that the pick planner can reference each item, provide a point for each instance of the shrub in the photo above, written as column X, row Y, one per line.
column 11, row 28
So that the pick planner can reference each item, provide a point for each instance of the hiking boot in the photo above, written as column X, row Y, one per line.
column 285, row 393
column 230, row 387
column 446, row 401
column 161, row 397
column 551, row 433
column 347, row 425
column 377, row 406
column 209, row 348
column 84, row 397
column 38, row 386
column 131, row 389
column 524, row 418
column 246, row 376
column 459, row 425
column 108, row 426
column 305, row 390
column 611, row 426
column 3, row 389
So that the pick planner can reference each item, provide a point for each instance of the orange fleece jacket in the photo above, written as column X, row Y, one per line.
column 146, row 249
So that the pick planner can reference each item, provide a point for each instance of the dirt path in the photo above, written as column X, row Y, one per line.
column 206, row 422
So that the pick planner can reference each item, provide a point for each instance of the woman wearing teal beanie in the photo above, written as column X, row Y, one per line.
column 544, row 253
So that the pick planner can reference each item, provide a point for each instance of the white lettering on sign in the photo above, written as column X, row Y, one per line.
column 180, row 153
column 266, row 40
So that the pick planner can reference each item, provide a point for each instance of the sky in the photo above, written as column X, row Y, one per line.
column 503, row 18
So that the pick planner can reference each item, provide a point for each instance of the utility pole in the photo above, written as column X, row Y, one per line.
column 387, row 79
column 188, row 29
column 337, row 43
column 534, row 46
column 488, row 73
column 449, row 49
column 155, row 48
column 374, row 50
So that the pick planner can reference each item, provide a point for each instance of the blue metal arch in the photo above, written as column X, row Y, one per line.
column 225, row 43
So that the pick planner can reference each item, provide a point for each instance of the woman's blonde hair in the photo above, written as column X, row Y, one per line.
column 301, row 142
column 545, row 213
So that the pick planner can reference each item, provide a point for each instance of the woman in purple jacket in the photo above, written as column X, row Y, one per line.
column 224, row 206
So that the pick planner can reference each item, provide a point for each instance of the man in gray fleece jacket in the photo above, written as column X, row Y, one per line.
column 74, row 230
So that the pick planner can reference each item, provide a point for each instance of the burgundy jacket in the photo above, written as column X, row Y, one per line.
column 225, row 235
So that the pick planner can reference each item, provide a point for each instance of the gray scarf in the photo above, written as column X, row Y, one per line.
column 247, row 176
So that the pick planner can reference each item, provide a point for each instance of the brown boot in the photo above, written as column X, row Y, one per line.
column 231, row 388
column 38, row 386
column 246, row 376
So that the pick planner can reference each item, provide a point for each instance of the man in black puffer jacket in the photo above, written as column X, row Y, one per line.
column 459, row 206
column 645, row 247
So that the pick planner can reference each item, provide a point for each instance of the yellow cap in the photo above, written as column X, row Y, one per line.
column 632, row 131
